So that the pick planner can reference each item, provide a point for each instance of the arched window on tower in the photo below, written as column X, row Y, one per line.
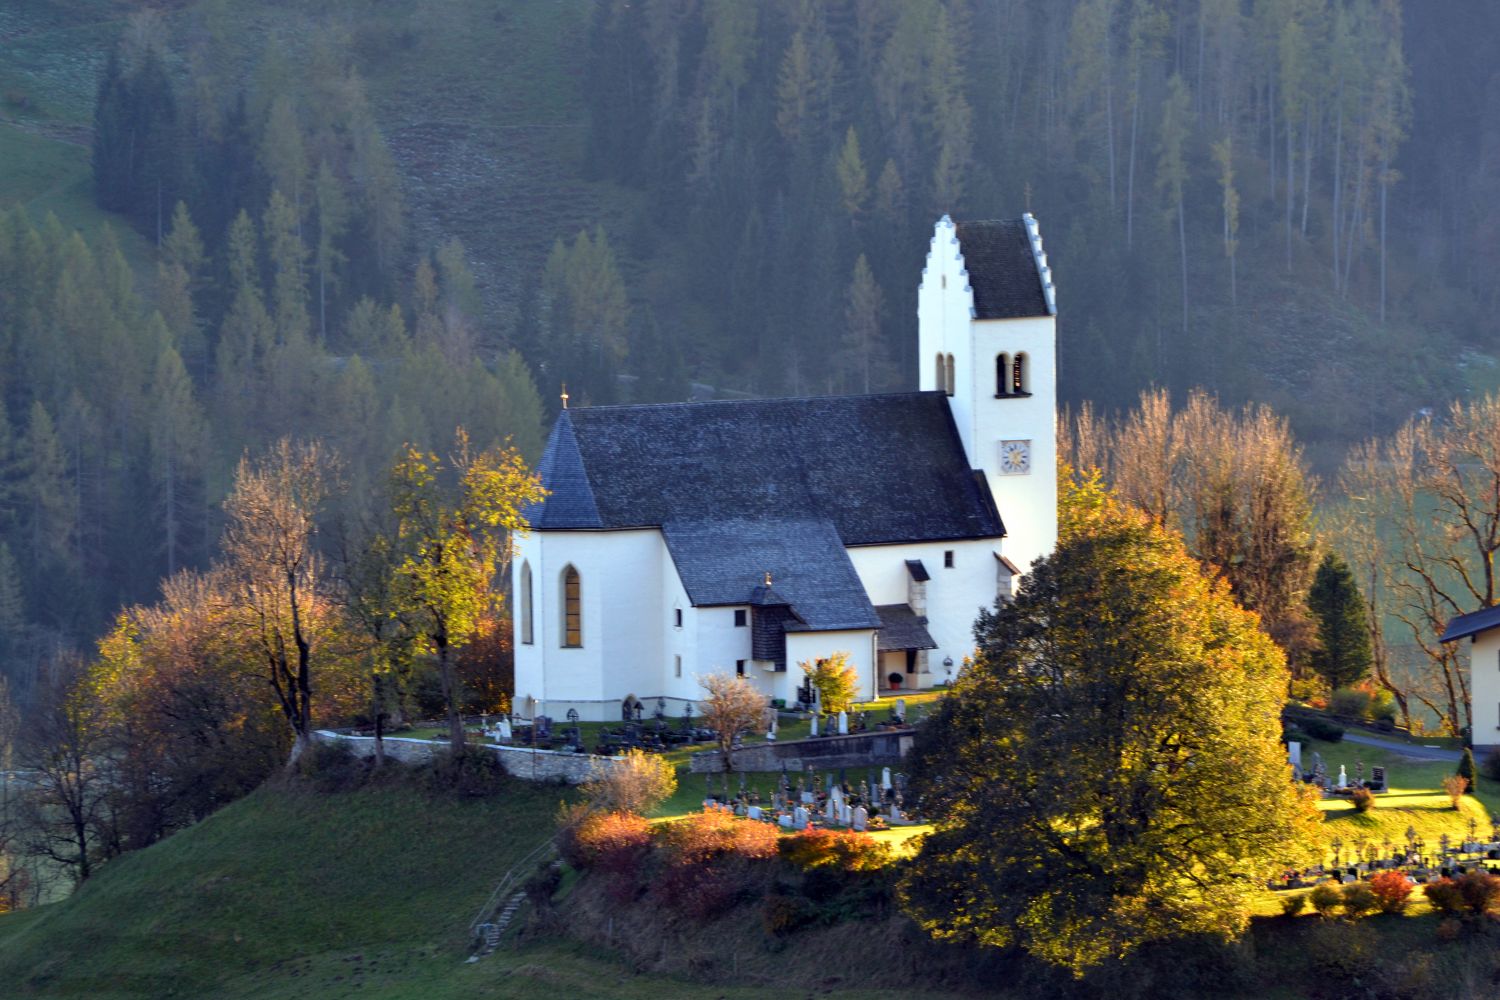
column 1018, row 375
column 572, row 607
column 951, row 384
column 526, row 637
column 1002, row 374
column 939, row 374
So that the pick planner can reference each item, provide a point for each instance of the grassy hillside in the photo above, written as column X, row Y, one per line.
column 291, row 893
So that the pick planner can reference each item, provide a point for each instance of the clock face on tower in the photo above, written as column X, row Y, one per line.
column 1015, row 458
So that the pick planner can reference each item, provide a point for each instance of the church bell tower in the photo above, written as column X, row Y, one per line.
column 987, row 337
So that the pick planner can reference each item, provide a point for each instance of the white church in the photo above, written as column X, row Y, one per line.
column 682, row 539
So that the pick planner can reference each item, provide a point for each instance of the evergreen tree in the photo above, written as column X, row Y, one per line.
column 1343, row 657
column 110, row 152
column 178, row 435
column 288, row 258
column 854, row 183
column 861, row 353
column 1466, row 769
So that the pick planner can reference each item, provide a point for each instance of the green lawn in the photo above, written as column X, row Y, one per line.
column 45, row 175
column 1416, row 798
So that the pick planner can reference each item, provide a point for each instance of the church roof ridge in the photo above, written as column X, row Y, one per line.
column 884, row 467
column 756, row 399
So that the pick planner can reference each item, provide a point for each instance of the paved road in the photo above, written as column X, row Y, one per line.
column 1405, row 749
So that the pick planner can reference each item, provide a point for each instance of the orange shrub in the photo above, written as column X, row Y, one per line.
column 708, row 835
column 1392, row 891
column 606, row 840
column 844, row 850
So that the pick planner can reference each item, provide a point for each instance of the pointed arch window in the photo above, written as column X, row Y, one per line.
column 572, row 608
column 1018, row 375
column 1002, row 374
column 950, row 383
column 525, row 603
column 939, row 373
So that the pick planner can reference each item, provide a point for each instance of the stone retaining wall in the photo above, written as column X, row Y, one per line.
column 855, row 750
column 521, row 762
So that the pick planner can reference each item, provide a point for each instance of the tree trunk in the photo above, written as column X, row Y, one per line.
column 1291, row 193
column 1135, row 117
column 450, row 694
column 300, row 743
column 1385, row 188
column 1182, row 242
column 1307, row 159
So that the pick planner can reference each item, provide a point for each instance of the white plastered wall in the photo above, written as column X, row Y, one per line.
column 1484, row 689
column 954, row 596
column 625, row 622
column 812, row 646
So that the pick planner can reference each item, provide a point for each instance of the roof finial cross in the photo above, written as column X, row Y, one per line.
column 565, row 395
column 768, row 578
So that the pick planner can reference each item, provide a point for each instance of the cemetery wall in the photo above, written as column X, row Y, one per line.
column 520, row 762
column 854, row 750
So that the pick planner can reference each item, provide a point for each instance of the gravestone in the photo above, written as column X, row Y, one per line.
column 1377, row 778
column 1294, row 753
column 861, row 819
column 843, row 723
column 885, row 778
column 901, row 710
column 543, row 728
column 814, row 724
column 505, row 730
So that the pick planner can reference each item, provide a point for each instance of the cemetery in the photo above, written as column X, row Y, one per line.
column 1386, row 812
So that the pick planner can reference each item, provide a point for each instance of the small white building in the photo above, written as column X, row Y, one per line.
column 749, row 536
column 1482, row 628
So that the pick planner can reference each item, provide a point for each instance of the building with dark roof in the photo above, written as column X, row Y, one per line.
column 682, row 539
column 1482, row 629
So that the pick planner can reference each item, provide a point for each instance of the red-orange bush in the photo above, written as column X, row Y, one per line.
column 1392, row 891
column 1445, row 896
column 708, row 835
column 1480, row 891
column 845, row 850
column 605, row 840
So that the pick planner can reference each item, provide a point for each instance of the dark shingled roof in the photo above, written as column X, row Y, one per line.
column 1002, row 269
column 902, row 628
column 1471, row 624
column 917, row 570
column 879, row 468
column 725, row 562
column 570, row 498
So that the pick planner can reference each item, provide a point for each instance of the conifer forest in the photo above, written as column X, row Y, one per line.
column 370, row 223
